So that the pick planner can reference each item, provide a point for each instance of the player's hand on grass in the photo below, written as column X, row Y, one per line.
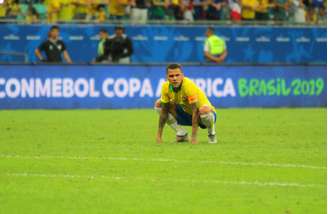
column 193, row 140
column 159, row 139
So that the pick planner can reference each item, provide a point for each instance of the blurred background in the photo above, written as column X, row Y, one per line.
column 256, row 31
column 280, row 40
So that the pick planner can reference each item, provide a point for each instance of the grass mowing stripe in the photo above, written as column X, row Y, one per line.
column 255, row 164
column 117, row 178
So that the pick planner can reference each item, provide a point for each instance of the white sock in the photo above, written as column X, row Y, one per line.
column 172, row 122
column 208, row 121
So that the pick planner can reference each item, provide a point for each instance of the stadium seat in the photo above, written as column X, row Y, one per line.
column 42, row 10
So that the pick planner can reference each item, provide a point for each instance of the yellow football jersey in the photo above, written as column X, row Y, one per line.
column 189, row 93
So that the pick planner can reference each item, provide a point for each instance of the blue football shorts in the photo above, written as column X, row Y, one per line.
column 185, row 119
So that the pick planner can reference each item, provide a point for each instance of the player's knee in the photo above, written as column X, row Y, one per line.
column 205, row 109
column 172, row 110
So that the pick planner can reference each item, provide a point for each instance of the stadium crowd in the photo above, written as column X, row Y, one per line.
column 50, row 11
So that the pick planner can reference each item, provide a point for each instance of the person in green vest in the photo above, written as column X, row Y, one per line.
column 103, row 48
column 215, row 49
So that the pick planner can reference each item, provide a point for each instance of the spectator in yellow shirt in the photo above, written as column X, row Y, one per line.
column 3, row 9
column 81, row 10
column 101, row 15
column 12, row 9
column 67, row 11
column 248, row 9
column 53, row 8
column 117, row 9
column 262, row 10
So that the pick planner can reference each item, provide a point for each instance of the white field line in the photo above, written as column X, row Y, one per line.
column 234, row 163
column 145, row 179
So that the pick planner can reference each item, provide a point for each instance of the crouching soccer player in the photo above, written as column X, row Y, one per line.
column 182, row 103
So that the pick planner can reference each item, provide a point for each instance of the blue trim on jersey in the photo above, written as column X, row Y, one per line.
column 185, row 119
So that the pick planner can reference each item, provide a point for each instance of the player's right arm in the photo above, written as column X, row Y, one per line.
column 164, row 114
column 38, row 51
column 67, row 57
column 38, row 54
column 162, row 120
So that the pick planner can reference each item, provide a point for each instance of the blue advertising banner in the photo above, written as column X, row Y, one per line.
column 80, row 86
column 169, row 43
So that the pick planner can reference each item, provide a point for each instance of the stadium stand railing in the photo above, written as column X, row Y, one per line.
column 177, row 22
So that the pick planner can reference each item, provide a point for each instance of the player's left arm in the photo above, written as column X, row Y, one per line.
column 67, row 57
column 164, row 114
column 129, row 48
column 222, row 57
column 192, row 96
column 195, row 118
column 66, row 54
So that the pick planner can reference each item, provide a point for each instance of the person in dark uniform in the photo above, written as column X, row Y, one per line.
column 121, row 46
column 104, row 47
column 53, row 48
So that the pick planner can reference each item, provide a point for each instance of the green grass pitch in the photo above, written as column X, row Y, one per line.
column 267, row 161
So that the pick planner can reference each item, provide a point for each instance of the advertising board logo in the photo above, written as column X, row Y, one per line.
column 280, row 87
column 181, row 38
column 109, row 87
column 140, row 38
column 242, row 39
column 160, row 38
column 33, row 37
column 76, row 38
column 199, row 38
column 282, row 39
column 11, row 37
column 263, row 39
column 93, row 38
column 227, row 39
column 303, row 39
column 321, row 39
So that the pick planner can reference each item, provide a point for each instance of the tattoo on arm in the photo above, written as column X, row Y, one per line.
column 194, row 119
column 163, row 116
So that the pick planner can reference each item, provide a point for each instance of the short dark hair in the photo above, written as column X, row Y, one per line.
column 210, row 29
column 173, row 66
column 103, row 30
column 54, row 27
column 119, row 27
